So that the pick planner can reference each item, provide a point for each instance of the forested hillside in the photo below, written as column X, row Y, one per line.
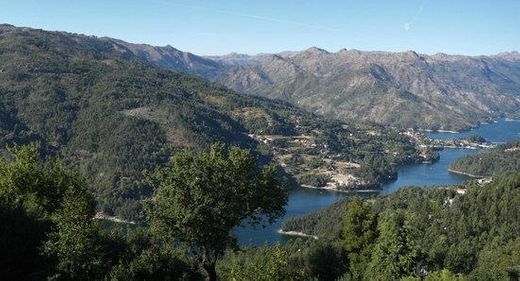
column 503, row 159
column 113, row 115
column 469, row 229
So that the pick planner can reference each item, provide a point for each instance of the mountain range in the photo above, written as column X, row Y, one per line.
column 404, row 89
column 111, row 114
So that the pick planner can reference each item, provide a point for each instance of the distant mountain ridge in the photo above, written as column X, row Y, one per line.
column 406, row 89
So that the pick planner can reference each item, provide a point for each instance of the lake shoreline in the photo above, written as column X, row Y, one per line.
column 340, row 190
column 442, row 131
column 296, row 234
column 303, row 201
column 464, row 173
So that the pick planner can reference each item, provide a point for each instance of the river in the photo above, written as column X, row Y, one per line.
column 304, row 201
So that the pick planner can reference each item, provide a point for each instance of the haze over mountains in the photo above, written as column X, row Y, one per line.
column 406, row 89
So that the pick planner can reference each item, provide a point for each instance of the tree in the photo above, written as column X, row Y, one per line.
column 76, row 241
column 25, row 182
column 325, row 261
column 43, row 203
column 395, row 251
column 203, row 196
column 22, row 229
column 359, row 235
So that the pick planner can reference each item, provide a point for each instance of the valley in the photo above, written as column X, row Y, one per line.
column 123, row 157
column 112, row 116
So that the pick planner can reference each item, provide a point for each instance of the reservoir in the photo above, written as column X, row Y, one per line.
column 304, row 201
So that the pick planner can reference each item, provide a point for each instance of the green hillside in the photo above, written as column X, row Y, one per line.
column 503, row 159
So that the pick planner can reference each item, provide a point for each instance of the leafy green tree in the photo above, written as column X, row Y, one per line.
column 46, row 202
column 359, row 234
column 27, row 183
column 395, row 251
column 76, row 241
column 22, row 229
column 203, row 196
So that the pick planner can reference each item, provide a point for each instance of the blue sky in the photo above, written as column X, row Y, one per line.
column 220, row 27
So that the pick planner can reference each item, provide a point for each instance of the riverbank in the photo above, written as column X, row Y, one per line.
column 103, row 216
column 464, row 173
column 332, row 189
column 441, row 131
column 297, row 234
column 472, row 146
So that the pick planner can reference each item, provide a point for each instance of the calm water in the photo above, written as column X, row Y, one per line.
column 499, row 132
column 301, row 202
column 304, row 201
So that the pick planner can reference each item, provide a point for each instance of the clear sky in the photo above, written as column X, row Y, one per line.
column 218, row 27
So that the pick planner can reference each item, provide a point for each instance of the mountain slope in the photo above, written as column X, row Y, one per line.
column 106, row 111
column 403, row 89
column 112, row 114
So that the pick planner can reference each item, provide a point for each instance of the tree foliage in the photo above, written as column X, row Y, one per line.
column 55, row 205
column 262, row 264
column 203, row 196
column 471, row 234
column 395, row 250
column 359, row 234
column 146, row 256
column 76, row 241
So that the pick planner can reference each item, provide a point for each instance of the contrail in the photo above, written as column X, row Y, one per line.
column 408, row 25
column 246, row 15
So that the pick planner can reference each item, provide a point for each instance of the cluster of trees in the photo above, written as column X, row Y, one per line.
column 323, row 223
column 48, row 230
column 503, row 159
column 475, row 139
column 317, row 180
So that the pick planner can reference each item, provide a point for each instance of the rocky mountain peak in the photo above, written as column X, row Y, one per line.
column 316, row 51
